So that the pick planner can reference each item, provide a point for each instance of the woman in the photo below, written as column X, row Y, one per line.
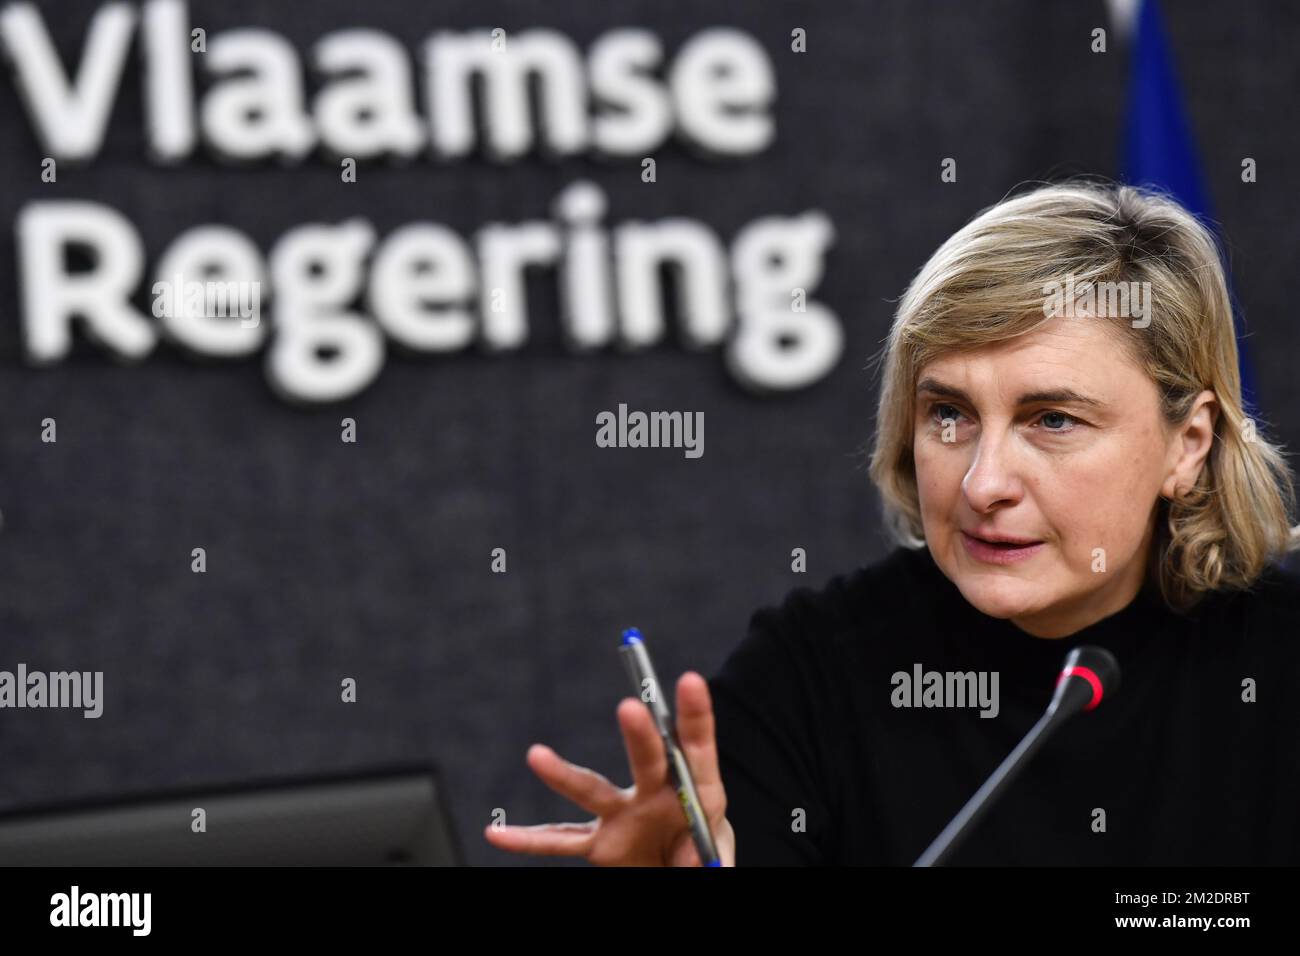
column 1064, row 459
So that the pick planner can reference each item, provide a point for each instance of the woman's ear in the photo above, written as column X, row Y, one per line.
column 1192, row 441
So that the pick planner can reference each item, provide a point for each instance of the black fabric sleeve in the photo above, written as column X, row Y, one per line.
column 766, row 707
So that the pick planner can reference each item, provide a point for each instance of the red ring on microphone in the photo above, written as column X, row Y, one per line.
column 1087, row 674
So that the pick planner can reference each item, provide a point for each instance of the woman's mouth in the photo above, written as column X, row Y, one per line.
column 993, row 553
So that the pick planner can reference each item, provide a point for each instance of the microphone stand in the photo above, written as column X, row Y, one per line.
column 1089, row 674
column 947, row 842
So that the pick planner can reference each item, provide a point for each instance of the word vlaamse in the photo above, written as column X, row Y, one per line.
column 715, row 95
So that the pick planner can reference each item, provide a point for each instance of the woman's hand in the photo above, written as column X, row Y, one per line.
column 641, row 825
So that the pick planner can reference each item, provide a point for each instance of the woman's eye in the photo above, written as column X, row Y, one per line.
column 1068, row 421
column 942, row 411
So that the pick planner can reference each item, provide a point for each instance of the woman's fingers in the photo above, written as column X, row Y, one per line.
column 645, row 749
column 545, row 839
column 584, row 787
column 695, row 729
column 648, row 762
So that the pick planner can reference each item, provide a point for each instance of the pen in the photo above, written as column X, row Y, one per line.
column 642, row 672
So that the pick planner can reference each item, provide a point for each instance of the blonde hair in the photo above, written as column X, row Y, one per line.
column 986, row 284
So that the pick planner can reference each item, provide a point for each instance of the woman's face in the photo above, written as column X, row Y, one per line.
column 1054, row 438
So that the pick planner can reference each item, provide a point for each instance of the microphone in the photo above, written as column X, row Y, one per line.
column 1090, row 675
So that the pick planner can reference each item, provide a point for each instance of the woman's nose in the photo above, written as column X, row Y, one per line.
column 993, row 476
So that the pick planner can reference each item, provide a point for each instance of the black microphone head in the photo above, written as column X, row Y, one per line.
column 1089, row 676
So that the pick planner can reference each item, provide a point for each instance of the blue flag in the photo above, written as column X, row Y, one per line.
column 1159, row 147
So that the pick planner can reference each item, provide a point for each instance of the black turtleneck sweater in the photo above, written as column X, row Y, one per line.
column 821, row 767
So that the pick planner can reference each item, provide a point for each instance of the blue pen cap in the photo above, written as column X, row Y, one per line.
column 632, row 636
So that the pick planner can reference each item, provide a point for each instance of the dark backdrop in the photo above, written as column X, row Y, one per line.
column 328, row 560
